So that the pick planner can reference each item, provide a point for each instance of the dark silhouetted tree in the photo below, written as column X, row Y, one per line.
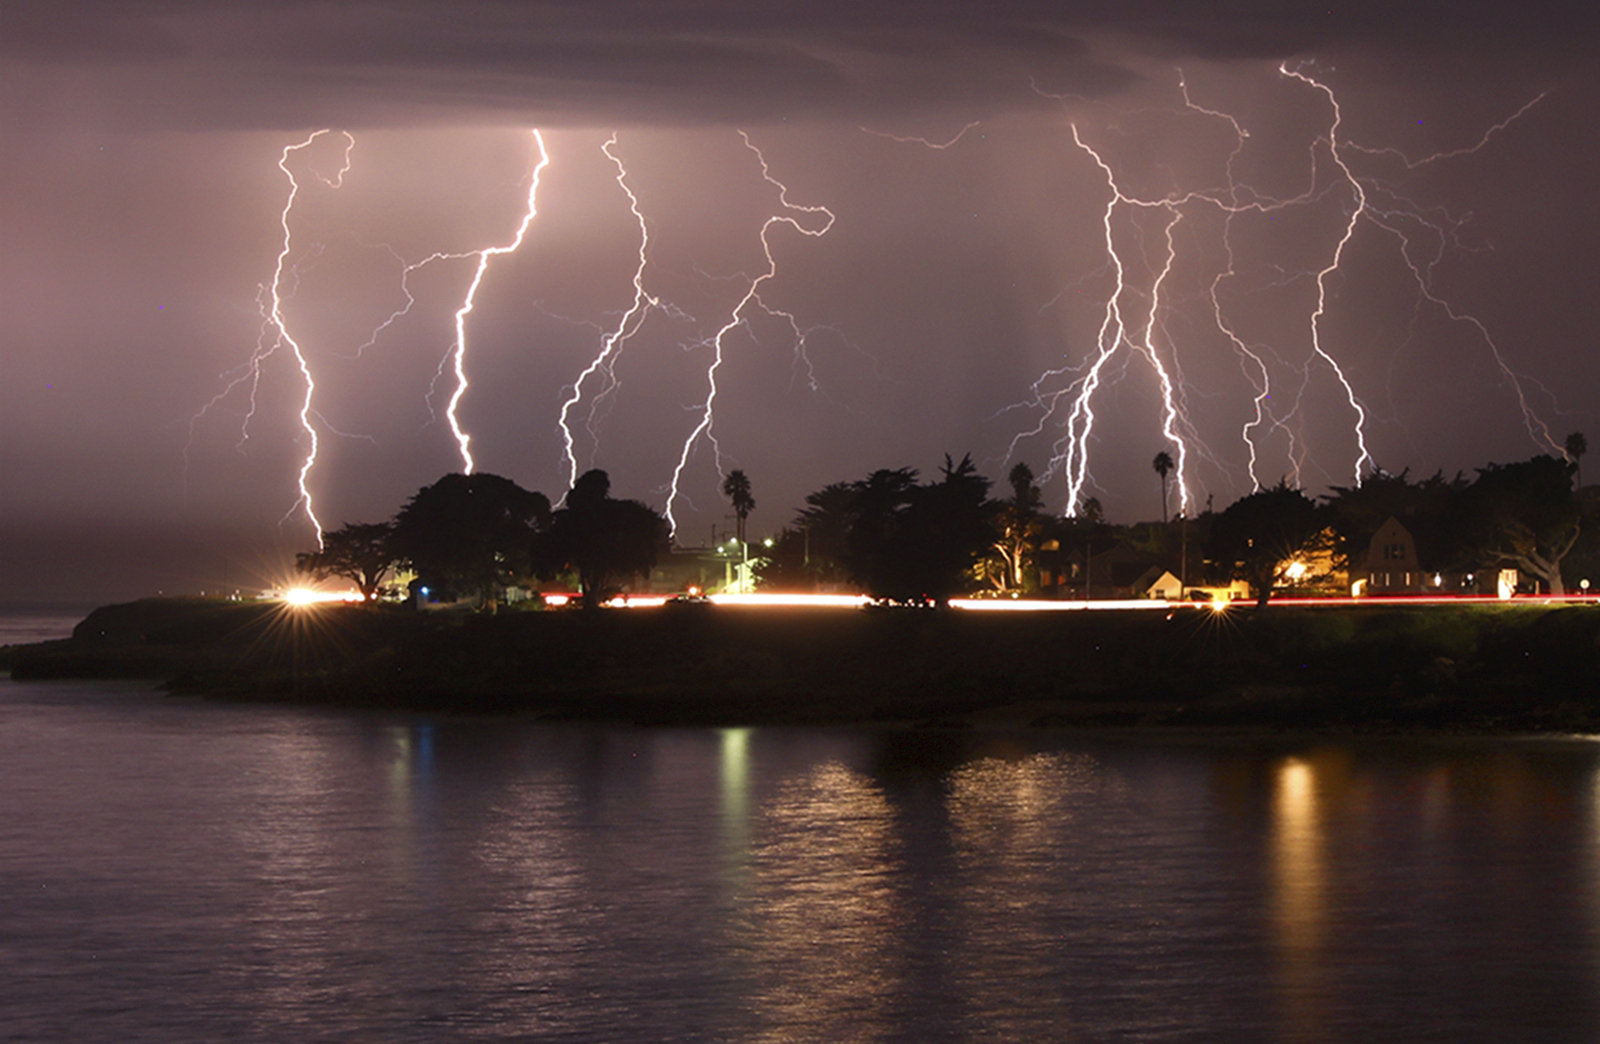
column 910, row 542
column 812, row 552
column 1025, row 496
column 736, row 487
column 600, row 539
column 360, row 552
column 871, row 554
column 825, row 522
column 1524, row 513
column 784, row 566
column 470, row 534
column 947, row 527
column 1576, row 446
column 1163, row 466
column 1425, row 508
column 1258, row 536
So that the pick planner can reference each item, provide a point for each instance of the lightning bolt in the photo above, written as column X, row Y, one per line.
column 458, row 351
column 612, row 341
column 706, row 426
column 938, row 146
column 1537, row 429
column 1364, row 457
column 1256, row 372
column 454, row 360
column 275, row 335
column 1071, row 456
column 1068, row 391
column 1391, row 221
column 1411, row 164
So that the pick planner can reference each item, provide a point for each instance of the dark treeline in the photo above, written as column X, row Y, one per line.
column 907, row 540
column 473, row 536
column 900, row 539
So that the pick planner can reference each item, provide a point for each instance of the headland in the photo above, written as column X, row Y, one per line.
column 1473, row 668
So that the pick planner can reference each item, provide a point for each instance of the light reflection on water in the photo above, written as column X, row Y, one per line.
column 175, row 871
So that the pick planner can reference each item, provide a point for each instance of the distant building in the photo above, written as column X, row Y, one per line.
column 1392, row 565
column 683, row 568
column 1118, row 571
column 1159, row 583
column 1233, row 591
column 724, row 567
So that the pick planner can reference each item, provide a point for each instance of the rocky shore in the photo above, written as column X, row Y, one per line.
column 1472, row 668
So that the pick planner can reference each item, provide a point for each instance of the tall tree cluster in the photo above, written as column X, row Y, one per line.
column 1257, row 537
column 599, row 538
column 470, row 536
column 1525, row 514
column 898, row 538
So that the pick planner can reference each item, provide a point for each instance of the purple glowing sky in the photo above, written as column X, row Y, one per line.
column 142, row 199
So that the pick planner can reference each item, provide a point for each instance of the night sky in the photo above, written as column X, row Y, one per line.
column 970, row 156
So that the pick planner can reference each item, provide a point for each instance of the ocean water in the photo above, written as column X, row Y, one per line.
column 173, row 870
column 26, row 624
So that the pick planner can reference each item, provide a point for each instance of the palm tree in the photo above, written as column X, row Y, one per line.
column 1024, row 494
column 736, row 487
column 1163, row 465
column 1576, row 447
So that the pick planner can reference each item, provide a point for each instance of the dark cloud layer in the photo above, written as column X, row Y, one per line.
column 211, row 64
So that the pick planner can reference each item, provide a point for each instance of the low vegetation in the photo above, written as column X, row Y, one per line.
column 1467, row 668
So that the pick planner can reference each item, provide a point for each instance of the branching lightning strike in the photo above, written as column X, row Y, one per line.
column 275, row 335
column 611, row 342
column 455, row 356
column 1068, row 391
column 706, row 426
column 459, row 349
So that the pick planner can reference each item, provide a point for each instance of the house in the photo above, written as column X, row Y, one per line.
column 1117, row 571
column 1159, row 583
column 1233, row 591
column 1395, row 566
column 1392, row 565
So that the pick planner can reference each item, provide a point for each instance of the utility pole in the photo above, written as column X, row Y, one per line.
column 1183, row 581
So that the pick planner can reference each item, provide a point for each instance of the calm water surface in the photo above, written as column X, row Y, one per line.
column 24, row 625
column 177, row 871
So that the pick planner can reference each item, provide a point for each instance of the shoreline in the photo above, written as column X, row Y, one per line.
column 1332, row 670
